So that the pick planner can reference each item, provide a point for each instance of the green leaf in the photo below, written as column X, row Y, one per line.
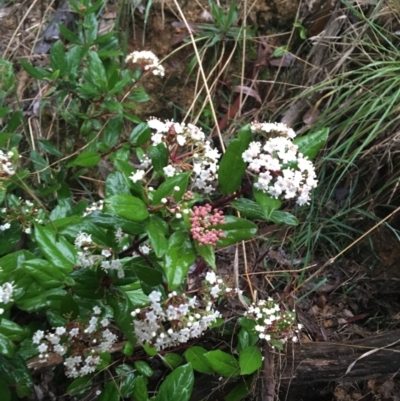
column 140, row 389
column 127, row 384
column 144, row 368
column 41, row 165
column 236, row 230
column 44, row 273
column 122, row 307
column 223, row 363
column 79, row 386
column 207, row 252
column 58, row 59
column 112, row 131
column 69, row 35
column 310, row 144
column 7, row 347
column 167, row 188
column 232, row 161
column 15, row 373
column 4, row 391
column 250, row 360
column 55, row 248
column 116, row 184
column 179, row 384
column 248, row 208
column 87, row 159
column 49, row 148
column 91, row 26
column 126, row 206
column 110, row 392
column 195, row 356
column 74, row 58
column 178, row 259
column 96, row 72
column 159, row 157
column 246, row 339
column 69, row 308
column 149, row 276
column 172, row 360
column 280, row 217
column 267, row 203
column 156, row 236
column 11, row 330
column 35, row 72
column 238, row 393
column 140, row 134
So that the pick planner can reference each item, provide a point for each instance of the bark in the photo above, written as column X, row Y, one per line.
column 313, row 366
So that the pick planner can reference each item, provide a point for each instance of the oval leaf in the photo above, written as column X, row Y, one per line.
column 177, row 385
column 223, row 363
column 127, row 206
column 310, row 144
column 232, row 161
column 235, row 230
column 250, row 360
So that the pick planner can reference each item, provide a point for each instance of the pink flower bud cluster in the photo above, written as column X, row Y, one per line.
column 204, row 221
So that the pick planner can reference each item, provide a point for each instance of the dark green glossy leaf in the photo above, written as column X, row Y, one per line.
column 167, row 188
column 116, row 184
column 248, row 208
column 4, row 391
column 87, row 159
column 127, row 206
column 58, row 59
column 238, row 393
column 236, row 230
column 266, row 202
column 79, row 386
column 250, row 360
column 280, row 217
column 195, row 356
column 122, row 307
column 207, row 252
column 147, row 275
column 172, row 360
column 69, row 308
column 159, row 157
column 223, row 363
column 144, row 368
column 112, row 132
column 44, row 273
column 140, row 389
column 69, row 35
column 246, row 339
column 178, row 259
column 232, row 167
column 140, row 134
column 12, row 330
column 7, row 347
column 310, row 144
column 55, row 248
column 96, row 71
column 156, row 236
column 110, row 392
column 15, row 372
column 179, row 382
column 35, row 72
column 49, row 148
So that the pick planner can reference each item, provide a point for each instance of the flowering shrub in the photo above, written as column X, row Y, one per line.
column 89, row 281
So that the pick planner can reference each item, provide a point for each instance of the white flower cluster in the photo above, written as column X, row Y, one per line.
column 217, row 286
column 271, row 128
column 6, row 164
column 283, row 172
column 179, row 137
column 25, row 213
column 6, row 291
column 72, row 339
column 271, row 322
column 87, row 257
column 147, row 60
column 93, row 207
column 172, row 322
